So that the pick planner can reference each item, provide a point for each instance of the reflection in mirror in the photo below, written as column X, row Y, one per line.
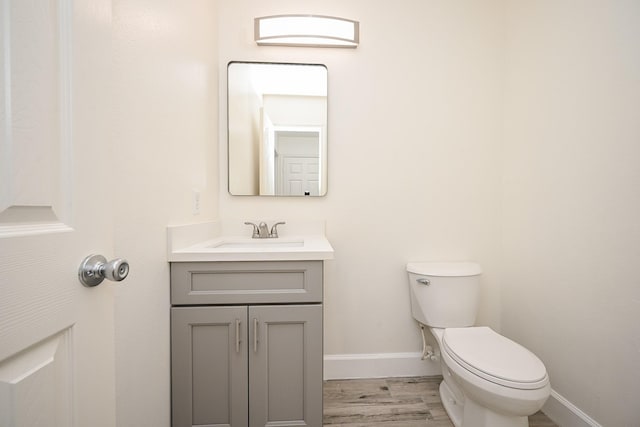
column 277, row 129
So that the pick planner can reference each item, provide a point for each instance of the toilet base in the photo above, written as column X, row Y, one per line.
column 475, row 415
column 470, row 414
column 453, row 408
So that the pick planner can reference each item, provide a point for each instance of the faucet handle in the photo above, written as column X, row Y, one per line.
column 274, row 229
column 256, row 233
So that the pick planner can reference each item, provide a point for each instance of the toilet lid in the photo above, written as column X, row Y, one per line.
column 494, row 357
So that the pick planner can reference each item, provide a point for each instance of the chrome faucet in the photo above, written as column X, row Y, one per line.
column 261, row 231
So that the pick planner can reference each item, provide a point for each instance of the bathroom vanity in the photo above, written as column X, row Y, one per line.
column 246, row 332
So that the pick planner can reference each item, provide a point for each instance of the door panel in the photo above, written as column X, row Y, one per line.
column 56, row 337
column 301, row 176
column 39, row 377
column 209, row 366
column 285, row 365
column 37, row 127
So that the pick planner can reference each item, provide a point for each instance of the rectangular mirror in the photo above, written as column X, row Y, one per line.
column 277, row 129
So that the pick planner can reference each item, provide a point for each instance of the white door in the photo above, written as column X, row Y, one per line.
column 56, row 336
column 297, row 162
column 300, row 177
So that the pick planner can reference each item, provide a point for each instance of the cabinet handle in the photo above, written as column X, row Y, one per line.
column 255, row 335
column 238, row 335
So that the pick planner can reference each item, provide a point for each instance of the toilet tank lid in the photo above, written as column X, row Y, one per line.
column 444, row 269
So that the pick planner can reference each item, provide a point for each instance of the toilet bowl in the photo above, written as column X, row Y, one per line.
column 488, row 379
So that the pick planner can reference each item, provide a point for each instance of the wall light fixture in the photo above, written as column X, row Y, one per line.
column 306, row 30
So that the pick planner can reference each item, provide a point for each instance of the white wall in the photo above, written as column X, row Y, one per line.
column 165, row 133
column 416, row 172
column 571, row 234
column 414, row 166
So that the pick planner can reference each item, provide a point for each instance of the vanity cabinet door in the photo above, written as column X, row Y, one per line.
column 209, row 366
column 285, row 365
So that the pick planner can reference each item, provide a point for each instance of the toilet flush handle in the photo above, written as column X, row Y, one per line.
column 426, row 282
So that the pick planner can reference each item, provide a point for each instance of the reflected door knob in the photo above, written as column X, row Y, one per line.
column 95, row 268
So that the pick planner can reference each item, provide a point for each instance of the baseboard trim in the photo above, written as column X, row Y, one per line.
column 566, row 414
column 380, row 365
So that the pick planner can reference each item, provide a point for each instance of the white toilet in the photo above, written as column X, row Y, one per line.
column 489, row 380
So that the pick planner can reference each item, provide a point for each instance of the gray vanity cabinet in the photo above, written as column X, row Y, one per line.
column 247, row 364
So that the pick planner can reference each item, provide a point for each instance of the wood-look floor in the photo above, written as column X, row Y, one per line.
column 392, row 402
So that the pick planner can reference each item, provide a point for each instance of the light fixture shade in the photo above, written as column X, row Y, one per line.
column 306, row 30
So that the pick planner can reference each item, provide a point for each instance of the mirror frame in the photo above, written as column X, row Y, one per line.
column 323, row 138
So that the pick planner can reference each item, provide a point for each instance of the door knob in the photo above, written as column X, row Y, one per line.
column 95, row 268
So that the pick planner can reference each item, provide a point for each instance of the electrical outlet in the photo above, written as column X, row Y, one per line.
column 196, row 202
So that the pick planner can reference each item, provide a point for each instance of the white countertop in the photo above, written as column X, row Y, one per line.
column 215, row 241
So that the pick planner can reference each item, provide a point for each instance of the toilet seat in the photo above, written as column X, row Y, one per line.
column 494, row 357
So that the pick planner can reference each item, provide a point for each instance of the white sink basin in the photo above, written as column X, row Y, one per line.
column 257, row 243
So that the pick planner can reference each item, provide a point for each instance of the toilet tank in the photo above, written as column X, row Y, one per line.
column 444, row 294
